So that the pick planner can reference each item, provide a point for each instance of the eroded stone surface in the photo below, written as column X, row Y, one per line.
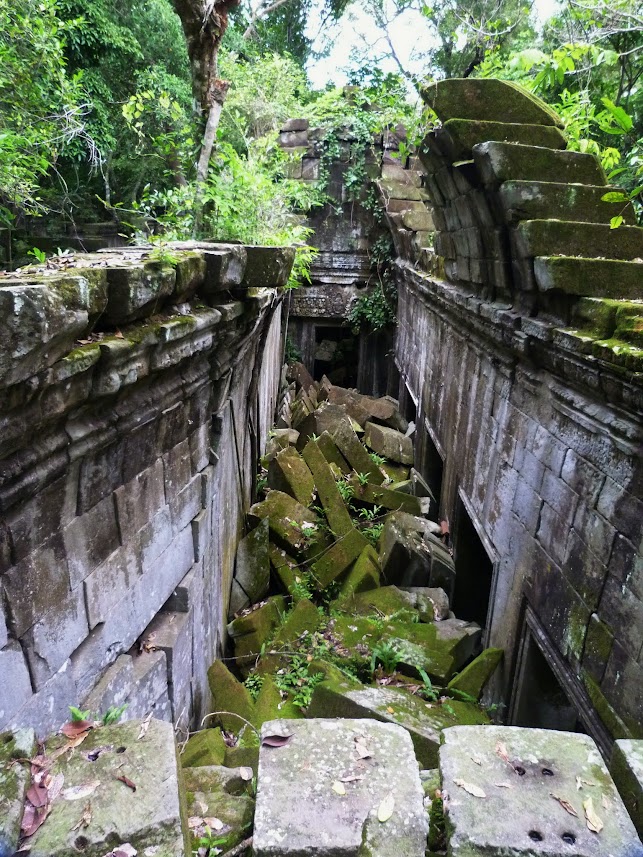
column 300, row 810
column 14, row 781
column 626, row 766
column 520, row 813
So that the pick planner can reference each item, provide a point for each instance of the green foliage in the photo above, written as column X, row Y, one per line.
column 373, row 533
column 297, row 682
column 374, row 310
column 113, row 714
column 292, row 353
column 303, row 587
column 77, row 715
column 346, row 490
column 254, row 683
column 385, row 654
column 428, row 691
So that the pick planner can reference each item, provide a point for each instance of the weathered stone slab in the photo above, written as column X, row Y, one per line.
column 334, row 507
column 268, row 267
column 332, row 454
column 218, row 792
column 389, row 498
column 475, row 675
column 431, row 603
column 411, row 555
column 292, row 525
column 338, row 558
column 390, row 443
column 326, row 418
column 300, row 812
column 137, row 288
column 423, row 721
column 230, row 696
column 521, row 812
column 289, row 473
column 534, row 200
column 607, row 278
column 500, row 162
column 457, row 137
column 488, row 99
column 14, row 781
column 364, row 575
column 355, row 453
column 252, row 565
column 626, row 767
column 568, row 238
column 250, row 631
column 149, row 818
column 205, row 747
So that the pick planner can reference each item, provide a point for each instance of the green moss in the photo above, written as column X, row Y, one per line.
column 576, row 630
column 271, row 706
column 437, row 826
column 596, row 316
column 611, row 720
column 229, row 695
column 206, row 747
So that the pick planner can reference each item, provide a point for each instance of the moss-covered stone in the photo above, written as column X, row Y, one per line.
column 570, row 238
column 626, row 768
column 598, row 646
column 385, row 601
column 379, row 495
column 208, row 791
column 229, row 695
column 363, row 576
column 355, row 453
column 303, row 618
column 612, row 722
column 589, row 277
column 14, row 782
column 334, row 562
column 286, row 569
column 629, row 322
column 534, row 200
column 463, row 134
column 331, row 453
column 270, row 705
column 245, row 753
column 488, row 99
column 395, row 472
column 293, row 526
column 620, row 353
column 475, row 676
column 595, row 315
column 206, row 747
column 250, row 632
column 190, row 274
column 501, row 162
column 268, row 267
column 252, row 564
column 334, row 507
column 289, row 473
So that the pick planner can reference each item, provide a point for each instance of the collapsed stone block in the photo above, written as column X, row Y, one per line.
column 334, row 507
column 289, row 473
column 269, row 704
column 338, row 558
column 411, row 555
column 268, row 267
column 149, row 818
column 251, row 631
column 14, row 782
column 332, row 454
column 389, row 498
column 206, row 747
column 303, row 618
column 516, row 791
column 293, row 526
column 424, row 721
column 475, row 675
column 432, row 604
column 252, row 566
column 389, row 443
column 626, row 767
column 325, row 418
column 354, row 452
column 221, row 793
column 317, row 798
column 364, row 575
column 229, row 695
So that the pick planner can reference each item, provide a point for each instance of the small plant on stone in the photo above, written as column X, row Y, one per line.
column 373, row 533
column 77, row 715
column 209, row 844
column 370, row 514
column 297, row 682
column 362, row 478
column 303, row 586
column 387, row 655
column 377, row 459
column 254, row 683
column 113, row 714
column 345, row 489
column 428, row 691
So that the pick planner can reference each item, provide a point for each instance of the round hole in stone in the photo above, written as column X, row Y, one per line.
column 81, row 843
column 535, row 836
column 569, row 838
column 121, row 749
column 547, row 772
column 8, row 738
column 520, row 771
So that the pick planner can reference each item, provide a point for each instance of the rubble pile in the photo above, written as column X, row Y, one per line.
column 340, row 604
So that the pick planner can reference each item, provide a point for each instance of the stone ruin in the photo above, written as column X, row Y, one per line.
column 137, row 397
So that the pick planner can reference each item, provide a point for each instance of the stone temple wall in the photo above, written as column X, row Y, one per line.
column 520, row 344
column 135, row 396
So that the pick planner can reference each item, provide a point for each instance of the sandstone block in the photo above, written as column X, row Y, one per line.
column 52, row 639
column 47, row 709
column 292, row 525
column 299, row 813
column 338, row 558
column 457, row 137
column 206, row 747
column 252, row 566
column 268, row 267
column 190, row 274
column 225, row 267
column 389, row 443
column 110, row 583
column 354, row 452
column 89, row 539
column 250, row 631
column 149, row 687
column 289, row 473
column 218, row 792
column 137, row 289
column 152, row 817
column 432, row 604
column 172, row 633
column 324, row 419
column 501, row 162
column 113, row 687
column 528, row 818
column 229, row 695
column 411, row 555
column 139, row 500
column 488, row 99
column 589, row 277
column 536, row 200
column 295, row 125
column 626, row 767
column 334, row 507
column 363, row 576
column 15, row 688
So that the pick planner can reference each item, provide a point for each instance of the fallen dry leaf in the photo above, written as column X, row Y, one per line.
column 55, row 786
column 125, row 850
column 339, row 788
column 566, row 805
column 503, row 785
column 126, row 781
column 76, row 727
column 145, row 725
column 352, row 779
column 361, row 749
column 80, row 792
column 246, row 774
column 476, row 761
column 594, row 823
column 86, row 817
column 275, row 740
column 474, row 790
column 605, row 801
column 390, row 710
column 33, row 818
column 214, row 823
column 386, row 807
column 38, row 794
column 501, row 751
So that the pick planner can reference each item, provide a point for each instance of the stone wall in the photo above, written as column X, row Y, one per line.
column 524, row 363
column 135, row 397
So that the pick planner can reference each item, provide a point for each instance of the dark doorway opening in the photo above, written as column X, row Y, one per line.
column 336, row 355
column 541, row 701
column 473, row 570
column 407, row 405
column 431, row 467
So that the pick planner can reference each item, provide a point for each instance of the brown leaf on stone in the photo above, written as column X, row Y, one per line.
column 501, row 751
column 594, row 823
column 471, row 788
column 75, row 728
column 33, row 818
column 85, row 819
column 566, row 805
column 37, row 794
column 127, row 782
column 145, row 725
column 275, row 740
column 54, row 786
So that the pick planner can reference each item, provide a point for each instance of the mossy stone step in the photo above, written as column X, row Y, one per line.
column 501, row 162
column 475, row 675
column 572, row 238
column 363, row 576
column 538, row 200
column 457, row 137
column 608, row 278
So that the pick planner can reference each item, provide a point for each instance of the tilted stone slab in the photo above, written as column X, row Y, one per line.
column 293, row 525
column 14, row 782
column 334, row 507
column 589, row 277
column 150, row 817
column 389, row 498
column 338, row 558
column 252, row 564
column 327, row 418
column 500, row 162
column 626, row 767
column 332, row 454
column 423, row 721
column 250, row 631
column 355, row 453
column 411, row 555
column 457, row 137
column 475, row 675
column 568, row 238
column 289, row 473
column 520, row 813
column 36, row 329
column 535, row 200
column 389, row 443
column 305, row 810
column 488, row 99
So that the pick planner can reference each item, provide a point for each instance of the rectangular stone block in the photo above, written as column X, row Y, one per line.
column 53, row 638
column 305, row 810
column 150, row 684
column 186, row 505
column 514, row 802
column 90, row 538
column 172, row 633
column 626, row 766
column 155, row 537
column 113, row 687
column 47, row 710
column 110, row 583
column 139, row 500
column 39, row 518
column 15, row 687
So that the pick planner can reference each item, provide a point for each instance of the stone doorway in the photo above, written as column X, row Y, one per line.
column 473, row 569
column 336, row 355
